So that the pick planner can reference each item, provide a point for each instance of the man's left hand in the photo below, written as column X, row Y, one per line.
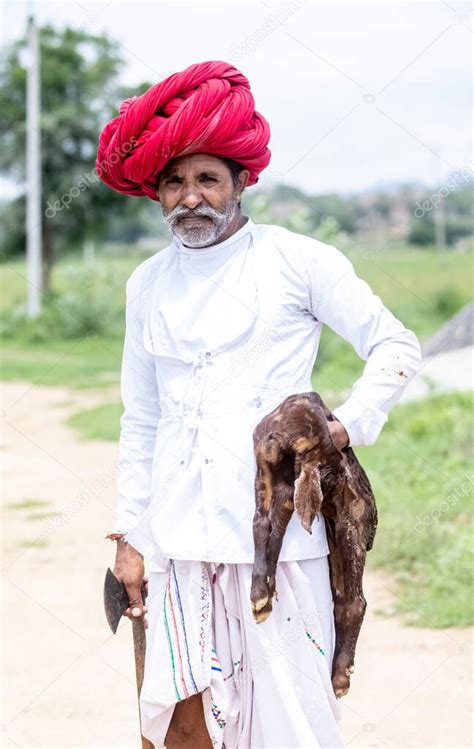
column 338, row 434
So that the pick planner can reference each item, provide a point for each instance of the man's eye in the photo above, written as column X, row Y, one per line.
column 209, row 179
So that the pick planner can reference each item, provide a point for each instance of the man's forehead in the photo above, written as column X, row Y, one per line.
column 195, row 162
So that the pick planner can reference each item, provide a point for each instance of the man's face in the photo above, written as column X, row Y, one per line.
column 198, row 198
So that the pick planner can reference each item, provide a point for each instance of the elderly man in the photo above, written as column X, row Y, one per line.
column 221, row 326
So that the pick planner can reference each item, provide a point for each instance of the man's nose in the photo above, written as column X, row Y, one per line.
column 190, row 197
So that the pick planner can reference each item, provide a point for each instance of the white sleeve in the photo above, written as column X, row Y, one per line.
column 138, row 423
column 347, row 304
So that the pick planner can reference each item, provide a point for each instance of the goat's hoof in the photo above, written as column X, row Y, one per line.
column 259, row 604
column 261, row 616
column 261, row 608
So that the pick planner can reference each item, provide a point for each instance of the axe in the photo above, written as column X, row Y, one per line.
column 115, row 603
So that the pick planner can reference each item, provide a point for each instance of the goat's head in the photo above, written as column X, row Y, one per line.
column 314, row 455
column 273, row 447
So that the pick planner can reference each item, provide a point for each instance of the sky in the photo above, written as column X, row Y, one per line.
column 358, row 95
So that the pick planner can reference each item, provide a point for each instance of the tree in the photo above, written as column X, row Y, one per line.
column 79, row 93
column 422, row 231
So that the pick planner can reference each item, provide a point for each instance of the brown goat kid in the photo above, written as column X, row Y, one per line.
column 299, row 468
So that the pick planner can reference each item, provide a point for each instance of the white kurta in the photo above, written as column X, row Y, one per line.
column 216, row 338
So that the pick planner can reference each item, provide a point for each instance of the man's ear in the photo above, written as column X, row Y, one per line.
column 243, row 179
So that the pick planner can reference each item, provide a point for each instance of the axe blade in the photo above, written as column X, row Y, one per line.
column 116, row 599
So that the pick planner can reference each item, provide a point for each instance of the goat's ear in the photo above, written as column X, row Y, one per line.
column 308, row 496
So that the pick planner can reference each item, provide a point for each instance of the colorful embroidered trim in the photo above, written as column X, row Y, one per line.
column 205, row 605
column 234, row 663
column 180, row 660
column 215, row 664
column 216, row 712
column 171, row 616
column 183, row 626
column 170, row 647
column 315, row 643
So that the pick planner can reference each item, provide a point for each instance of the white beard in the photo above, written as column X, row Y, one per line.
column 205, row 235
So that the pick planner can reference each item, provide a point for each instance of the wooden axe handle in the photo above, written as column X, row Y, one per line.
column 139, row 646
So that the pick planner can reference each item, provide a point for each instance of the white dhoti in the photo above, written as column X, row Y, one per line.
column 264, row 685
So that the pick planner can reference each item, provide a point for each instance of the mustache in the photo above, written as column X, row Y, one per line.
column 202, row 211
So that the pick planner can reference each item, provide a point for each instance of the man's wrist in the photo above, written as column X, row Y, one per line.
column 344, row 433
column 339, row 434
column 124, row 548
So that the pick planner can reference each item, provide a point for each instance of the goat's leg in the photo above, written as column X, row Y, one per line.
column 259, row 594
column 346, row 562
column 281, row 512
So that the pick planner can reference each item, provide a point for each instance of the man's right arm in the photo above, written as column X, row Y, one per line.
column 138, row 425
column 139, row 420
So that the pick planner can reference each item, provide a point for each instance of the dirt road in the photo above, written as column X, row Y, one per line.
column 69, row 682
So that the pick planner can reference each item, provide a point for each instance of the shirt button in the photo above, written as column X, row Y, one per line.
column 206, row 460
column 199, row 413
column 258, row 402
column 207, row 354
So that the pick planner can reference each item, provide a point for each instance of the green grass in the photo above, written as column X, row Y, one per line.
column 81, row 363
column 99, row 423
column 38, row 543
column 421, row 472
column 337, row 368
column 87, row 361
column 41, row 515
column 420, row 287
column 27, row 504
column 118, row 269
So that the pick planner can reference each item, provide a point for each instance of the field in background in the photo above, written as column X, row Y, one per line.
column 422, row 288
column 421, row 472
column 418, row 462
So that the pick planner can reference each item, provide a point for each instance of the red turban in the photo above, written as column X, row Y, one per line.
column 207, row 108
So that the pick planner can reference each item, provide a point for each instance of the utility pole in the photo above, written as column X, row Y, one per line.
column 33, row 173
column 439, row 212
